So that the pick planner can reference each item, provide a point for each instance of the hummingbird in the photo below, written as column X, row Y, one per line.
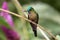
column 33, row 16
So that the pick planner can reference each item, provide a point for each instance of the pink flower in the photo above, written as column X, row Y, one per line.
column 10, row 33
column 6, row 15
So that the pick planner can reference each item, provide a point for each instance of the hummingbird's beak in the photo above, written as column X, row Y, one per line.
column 25, row 11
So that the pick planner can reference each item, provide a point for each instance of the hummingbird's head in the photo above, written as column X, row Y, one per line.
column 30, row 9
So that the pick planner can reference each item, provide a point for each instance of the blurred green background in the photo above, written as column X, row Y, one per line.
column 49, row 17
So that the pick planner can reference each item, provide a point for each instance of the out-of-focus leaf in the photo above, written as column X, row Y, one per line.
column 3, row 22
column 58, row 37
column 2, row 36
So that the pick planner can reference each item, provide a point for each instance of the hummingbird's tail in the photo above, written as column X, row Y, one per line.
column 34, row 28
column 35, row 33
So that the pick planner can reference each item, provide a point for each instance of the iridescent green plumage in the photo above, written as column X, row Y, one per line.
column 33, row 16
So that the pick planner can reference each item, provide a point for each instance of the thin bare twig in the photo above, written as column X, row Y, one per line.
column 31, row 22
column 43, row 33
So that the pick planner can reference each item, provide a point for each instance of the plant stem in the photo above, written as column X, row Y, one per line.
column 40, row 27
column 43, row 33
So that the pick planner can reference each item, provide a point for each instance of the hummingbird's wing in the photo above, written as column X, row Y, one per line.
column 33, row 17
column 37, row 18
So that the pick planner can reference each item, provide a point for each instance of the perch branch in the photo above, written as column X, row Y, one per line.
column 40, row 27
column 43, row 33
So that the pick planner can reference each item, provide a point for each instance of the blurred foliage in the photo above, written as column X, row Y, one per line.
column 53, row 3
column 58, row 37
column 2, row 36
column 3, row 22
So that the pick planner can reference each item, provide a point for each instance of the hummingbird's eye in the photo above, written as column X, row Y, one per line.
column 29, row 8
